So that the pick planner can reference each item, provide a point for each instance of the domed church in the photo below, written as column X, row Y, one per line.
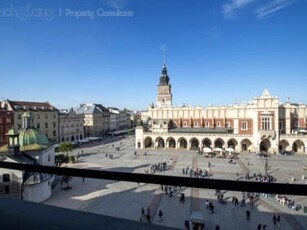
column 31, row 146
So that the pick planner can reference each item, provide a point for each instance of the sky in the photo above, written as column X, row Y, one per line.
column 112, row 52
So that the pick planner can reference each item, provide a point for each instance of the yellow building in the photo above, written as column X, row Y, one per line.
column 46, row 116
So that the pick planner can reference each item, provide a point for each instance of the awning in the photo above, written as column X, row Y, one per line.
column 207, row 150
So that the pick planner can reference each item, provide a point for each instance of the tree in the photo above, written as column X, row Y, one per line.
column 66, row 147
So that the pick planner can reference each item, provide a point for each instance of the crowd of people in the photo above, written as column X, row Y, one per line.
column 198, row 173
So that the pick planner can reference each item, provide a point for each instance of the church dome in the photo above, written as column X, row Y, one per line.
column 32, row 136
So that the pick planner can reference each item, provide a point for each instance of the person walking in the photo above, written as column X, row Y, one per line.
column 211, row 207
column 207, row 204
column 248, row 215
column 274, row 220
column 243, row 203
column 142, row 212
column 217, row 227
column 259, row 226
column 160, row 215
column 278, row 220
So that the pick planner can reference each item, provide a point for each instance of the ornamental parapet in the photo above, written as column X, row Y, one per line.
column 196, row 134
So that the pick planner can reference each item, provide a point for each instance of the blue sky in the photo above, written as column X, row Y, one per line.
column 217, row 51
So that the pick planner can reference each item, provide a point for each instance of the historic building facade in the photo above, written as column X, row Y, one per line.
column 96, row 119
column 261, row 125
column 119, row 119
column 6, row 123
column 71, row 126
column 27, row 145
column 46, row 116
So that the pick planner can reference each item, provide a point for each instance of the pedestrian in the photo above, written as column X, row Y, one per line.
column 142, row 212
column 148, row 217
column 207, row 204
column 248, row 215
column 160, row 215
column 259, row 226
column 182, row 198
column 265, row 227
column 278, row 220
column 243, row 203
column 211, row 207
column 187, row 225
column 217, row 227
column 274, row 219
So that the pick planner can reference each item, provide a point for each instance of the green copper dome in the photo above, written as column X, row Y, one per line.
column 32, row 136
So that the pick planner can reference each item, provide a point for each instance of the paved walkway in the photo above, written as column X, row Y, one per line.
column 125, row 199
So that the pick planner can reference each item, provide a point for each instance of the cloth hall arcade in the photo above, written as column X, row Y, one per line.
column 261, row 125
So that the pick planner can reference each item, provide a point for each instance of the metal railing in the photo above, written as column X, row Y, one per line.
column 273, row 188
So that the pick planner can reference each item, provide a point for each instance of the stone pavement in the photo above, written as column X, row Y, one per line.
column 125, row 199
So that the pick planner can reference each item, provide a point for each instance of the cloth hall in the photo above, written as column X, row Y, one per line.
column 264, row 124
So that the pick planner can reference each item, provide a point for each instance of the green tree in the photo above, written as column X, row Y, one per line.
column 66, row 147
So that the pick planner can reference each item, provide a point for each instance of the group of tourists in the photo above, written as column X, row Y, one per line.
column 170, row 190
column 286, row 201
column 158, row 167
column 198, row 173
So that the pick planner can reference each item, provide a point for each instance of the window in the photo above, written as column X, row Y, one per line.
column 49, row 158
column 46, row 125
column 195, row 124
column 185, row 124
column 227, row 124
column 207, row 124
column 46, row 116
column 38, row 125
column 244, row 125
column 19, row 127
column 8, row 120
column 281, row 125
column 19, row 117
column 218, row 124
column 265, row 123
column 54, row 124
column 161, row 125
column 38, row 116
column 296, row 124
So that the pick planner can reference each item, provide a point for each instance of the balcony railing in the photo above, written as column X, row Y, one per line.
column 274, row 188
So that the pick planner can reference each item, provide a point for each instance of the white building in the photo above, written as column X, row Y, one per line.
column 263, row 124
column 71, row 126
column 31, row 146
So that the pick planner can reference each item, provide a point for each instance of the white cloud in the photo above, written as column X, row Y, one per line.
column 272, row 7
column 234, row 5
